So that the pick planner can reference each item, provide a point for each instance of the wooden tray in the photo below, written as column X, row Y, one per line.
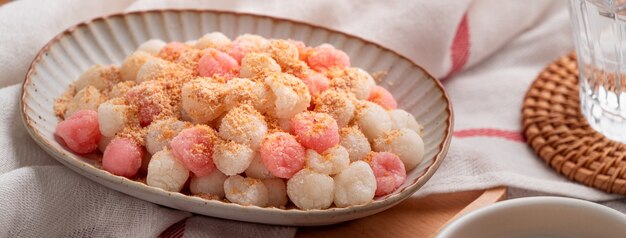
column 414, row 217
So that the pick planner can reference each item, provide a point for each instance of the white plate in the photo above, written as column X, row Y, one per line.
column 552, row 217
column 107, row 40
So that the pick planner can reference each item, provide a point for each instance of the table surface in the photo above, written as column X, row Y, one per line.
column 414, row 217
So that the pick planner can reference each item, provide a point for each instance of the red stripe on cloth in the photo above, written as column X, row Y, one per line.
column 177, row 230
column 460, row 48
column 490, row 132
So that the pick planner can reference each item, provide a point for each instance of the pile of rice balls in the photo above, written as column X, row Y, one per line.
column 252, row 121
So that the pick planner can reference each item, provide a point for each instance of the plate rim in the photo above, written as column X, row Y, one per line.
column 65, row 159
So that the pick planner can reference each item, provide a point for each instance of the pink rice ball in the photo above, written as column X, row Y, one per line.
column 194, row 148
column 382, row 97
column 388, row 170
column 316, row 82
column 315, row 130
column 149, row 100
column 122, row 157
column 303, row 50
column 282, row 154
column 215, row 62
column 325, row 57
column 245, row 44
column 171, row 51
column 80, row 132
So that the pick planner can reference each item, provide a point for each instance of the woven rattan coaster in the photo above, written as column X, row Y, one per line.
column 557, row 131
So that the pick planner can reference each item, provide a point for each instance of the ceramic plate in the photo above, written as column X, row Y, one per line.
column 107, row 40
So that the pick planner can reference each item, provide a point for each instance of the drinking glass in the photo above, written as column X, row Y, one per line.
column 599, row 29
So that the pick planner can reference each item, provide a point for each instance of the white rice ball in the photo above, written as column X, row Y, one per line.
column 202, row 100
column 132, row 64
column 215, row 40
column 99, row 76
column 354, row 80
column 212, row 184
column 246, row 191
column 339, row 157
column 355, row 185
column 291, row 94
column 372, row 119
column 315, row 162
column 265, row 98
column 405, row 143
column 282, row 51
column 232, row 158
column 254, row 64
column 277, row 191
column 362, row 82
column 240, row 91
column 113, row 116
column 104, row 142
column 161, row 132
column 89, row 98
column 152, row 46
column 257, row 42
column 403, row 119
column 157, row 68
column 308, row 189
column 336, row 104
column 245, row 91
column 331, row 162
column 257, row 169
column 165, row 172
column 244, row 125
column 355, row 142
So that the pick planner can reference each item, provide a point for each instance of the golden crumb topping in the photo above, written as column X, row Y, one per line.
column 134, row 132
column 241, row 118
column 111, row 74
column 283, row 52
column 288, row 80
column 331, row 100
column 189, row 60
column 60, row 104
column 368, row 158
column 390, row 136
column 297, row 67
column 351, row 130
column 120, row 89
column 379, row 76
column 207, row 196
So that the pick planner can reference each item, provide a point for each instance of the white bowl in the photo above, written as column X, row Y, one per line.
column 109, row 39
column 539, row 217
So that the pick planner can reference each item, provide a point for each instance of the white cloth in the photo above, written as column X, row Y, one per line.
column 499, row 47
